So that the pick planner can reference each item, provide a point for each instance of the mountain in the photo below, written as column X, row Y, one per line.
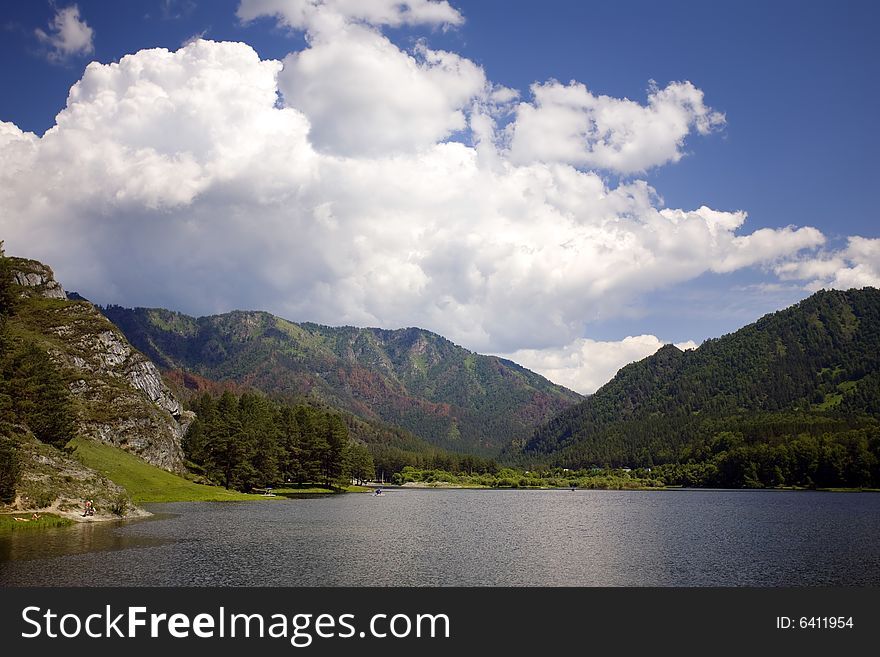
column 66, row 373
column 812, row 370
column 118, row 395
column 409, row 378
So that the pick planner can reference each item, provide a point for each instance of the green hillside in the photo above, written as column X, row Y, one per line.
column 798, row 390
column 408, row 378
column 145, row 482
column 71, row 388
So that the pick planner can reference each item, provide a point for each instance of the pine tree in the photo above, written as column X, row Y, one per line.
column 39, row 398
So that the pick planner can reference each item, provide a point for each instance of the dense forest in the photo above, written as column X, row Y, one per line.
column 33, row 395
column 793, row 399
column 248, row 441
column 839, row 459
column 506, row 477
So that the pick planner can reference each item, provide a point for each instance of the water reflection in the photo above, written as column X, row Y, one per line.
column 24, row 545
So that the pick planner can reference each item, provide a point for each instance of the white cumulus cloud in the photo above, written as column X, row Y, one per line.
column 568, row 123
column 857, row 265
column 327, row 187
column 364, row 96
column 177, row 178
column 586, row 365
column 68, row 35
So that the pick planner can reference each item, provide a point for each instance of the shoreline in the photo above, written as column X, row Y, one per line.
column 55, row 509
column 442, row 485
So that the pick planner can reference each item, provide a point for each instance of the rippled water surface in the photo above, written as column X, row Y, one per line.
column 471, row 537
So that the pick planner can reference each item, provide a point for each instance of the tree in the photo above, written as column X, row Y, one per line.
column 7, row 292
column 335, row 438
column 312, row 445
column 290, row 441
column 195, row 442
column 38, row 395
column 10, row 468
column 359, row 463
column 227, row 449
column 261, row 434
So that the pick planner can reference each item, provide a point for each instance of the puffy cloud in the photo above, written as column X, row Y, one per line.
column 364, row 96
column 568, row 123
column 314, row 14
column 68, row 35
column 361, row 93
column 766, row 245
column 586, row 365
column 181, row 179
column 158, row 128
column 858, row 265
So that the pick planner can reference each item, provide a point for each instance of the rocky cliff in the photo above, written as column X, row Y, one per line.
column 120, row 396
column 36, row 279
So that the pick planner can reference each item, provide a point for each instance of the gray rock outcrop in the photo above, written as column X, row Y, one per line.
column 36, row 278
column 122, row 399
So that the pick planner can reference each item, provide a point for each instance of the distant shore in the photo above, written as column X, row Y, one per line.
column 445, row 485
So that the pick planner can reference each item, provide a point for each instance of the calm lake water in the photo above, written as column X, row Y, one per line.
column 471, row 538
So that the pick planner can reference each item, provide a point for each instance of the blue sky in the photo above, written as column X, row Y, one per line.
column 795, row 82
column 795, row 79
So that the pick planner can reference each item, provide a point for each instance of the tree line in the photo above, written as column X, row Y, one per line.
column 846, row 459
column 248, row 441
column 390, row 460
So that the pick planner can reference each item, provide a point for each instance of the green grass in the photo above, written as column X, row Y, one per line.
column 831, row 400
column 145, row 482
column 9, row 523
column 837, row 489
column 847, row 386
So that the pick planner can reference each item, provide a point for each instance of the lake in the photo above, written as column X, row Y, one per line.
column 471, row 538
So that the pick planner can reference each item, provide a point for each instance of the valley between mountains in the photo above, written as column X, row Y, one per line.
column 98, row 401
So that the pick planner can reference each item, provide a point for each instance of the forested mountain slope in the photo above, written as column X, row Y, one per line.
column 410, row 378
column 810, row 372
